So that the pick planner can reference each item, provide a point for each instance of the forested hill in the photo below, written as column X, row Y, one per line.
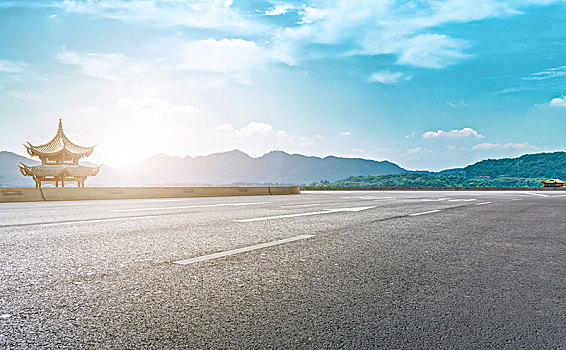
column 540, row 165
column 425, row 180
column 525, row 171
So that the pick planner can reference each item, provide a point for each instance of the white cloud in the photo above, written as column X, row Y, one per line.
column 155, row 105
column 457, row 104
column 416, row 153
column 548, row 74
column 311, row 15
column 465, row 132
column 106, row 66
column 410, row 30
column 226, row 127
column 88, row 109
column 415, row 150
column 345, row 133
column 558, row 102
column 431, row 51
column 218, row 60
column 279, row 9
column 232, row 57
column 386, row 77
column 507, row 146
column 203, row 14
column 513, row 90
column 254, row 129
column 261, row 133
column 12, row 67
column 403, row 29
column 25, row 95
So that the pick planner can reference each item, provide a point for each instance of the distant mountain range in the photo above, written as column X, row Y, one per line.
column 234, row 167
column 10, row 175
column 238, row 168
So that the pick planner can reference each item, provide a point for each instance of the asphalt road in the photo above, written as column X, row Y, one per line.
column 391, row 270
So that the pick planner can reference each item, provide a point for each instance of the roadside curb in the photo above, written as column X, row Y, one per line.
column 29, row 194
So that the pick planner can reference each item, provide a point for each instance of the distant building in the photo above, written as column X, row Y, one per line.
column 553, row 183
column 59, row 161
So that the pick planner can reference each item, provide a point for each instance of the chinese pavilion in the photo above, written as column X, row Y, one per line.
column 59, row 161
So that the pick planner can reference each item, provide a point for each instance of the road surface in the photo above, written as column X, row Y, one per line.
column 330, row 270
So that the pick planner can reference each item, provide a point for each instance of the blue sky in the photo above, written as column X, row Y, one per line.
column 425, row 84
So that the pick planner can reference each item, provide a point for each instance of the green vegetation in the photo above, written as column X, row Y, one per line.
column 525, row 171
column 539, row 166
column 424, row 180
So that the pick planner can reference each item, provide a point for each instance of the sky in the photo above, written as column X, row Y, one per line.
column 425, row 84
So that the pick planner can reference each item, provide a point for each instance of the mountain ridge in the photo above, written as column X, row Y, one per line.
column 223, row 168
column 278, row 167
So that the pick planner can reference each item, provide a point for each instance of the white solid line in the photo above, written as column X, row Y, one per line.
column 94, row 220
column 190, row 207
column 483, row 203
column 425, row 212
column 240, row 250
column 536, row 194
column 327, row 211
column 462, row 200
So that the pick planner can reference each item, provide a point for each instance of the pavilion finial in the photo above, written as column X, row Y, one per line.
column 60, row 124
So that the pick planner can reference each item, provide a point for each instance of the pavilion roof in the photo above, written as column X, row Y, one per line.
column 59, row 170
column 58, row 144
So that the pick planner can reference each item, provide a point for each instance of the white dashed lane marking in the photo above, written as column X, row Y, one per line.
column 536, row 194
column 425, row 212
column 241, row 250
column 326, row 211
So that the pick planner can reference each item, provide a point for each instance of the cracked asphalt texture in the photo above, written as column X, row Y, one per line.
column 470, row 276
